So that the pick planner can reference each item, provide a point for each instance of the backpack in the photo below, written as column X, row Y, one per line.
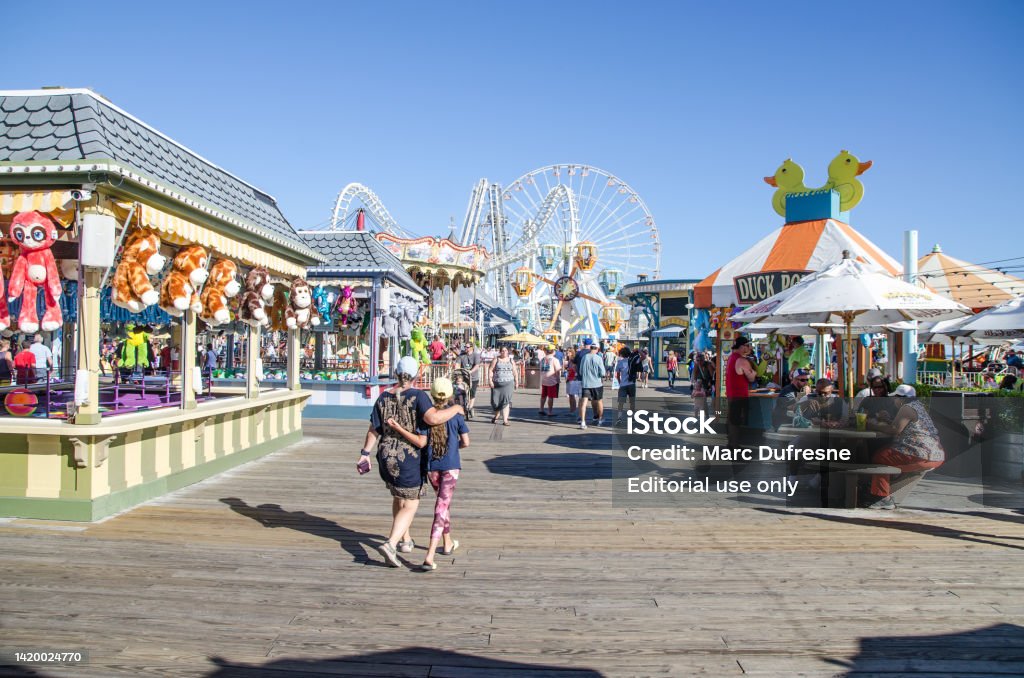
column 636, row 366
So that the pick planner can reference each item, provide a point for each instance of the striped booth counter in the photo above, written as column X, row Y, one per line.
column 53, row 470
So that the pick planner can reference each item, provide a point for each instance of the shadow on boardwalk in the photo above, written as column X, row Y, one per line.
column 918, row 528
column 553, row 467
column 410, row 661
column 272, row 515
column 997, row 649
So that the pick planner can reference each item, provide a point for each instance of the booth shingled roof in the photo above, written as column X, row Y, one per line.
column 69, row 125
column 351, row 253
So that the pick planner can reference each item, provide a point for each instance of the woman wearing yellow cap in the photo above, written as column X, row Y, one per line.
column 443, row 464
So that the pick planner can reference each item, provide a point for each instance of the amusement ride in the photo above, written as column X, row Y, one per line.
column 560, row 242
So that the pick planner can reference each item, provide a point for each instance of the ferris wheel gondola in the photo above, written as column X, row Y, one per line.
column 563, row 239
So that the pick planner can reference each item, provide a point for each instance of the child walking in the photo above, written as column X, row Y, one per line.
column 443, row 464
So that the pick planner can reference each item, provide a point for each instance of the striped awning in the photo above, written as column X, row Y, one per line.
column 57, row 204
column 974, row 286
column 180, row 231
column 799, row 246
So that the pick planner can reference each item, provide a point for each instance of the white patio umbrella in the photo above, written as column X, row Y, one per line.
column 999, row 323
column 853, row 293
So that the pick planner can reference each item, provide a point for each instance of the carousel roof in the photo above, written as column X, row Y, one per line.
column 356, row 252
column 78, row 124
column 972, row 285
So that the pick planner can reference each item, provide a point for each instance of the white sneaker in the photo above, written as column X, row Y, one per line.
column 600, row 422
column 583, row 425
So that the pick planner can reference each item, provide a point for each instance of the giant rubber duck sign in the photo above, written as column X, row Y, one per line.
column 842, row 178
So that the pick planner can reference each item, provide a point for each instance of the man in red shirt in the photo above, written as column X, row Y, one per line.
column 739, row 374
column 25, row 364
column 436, row 348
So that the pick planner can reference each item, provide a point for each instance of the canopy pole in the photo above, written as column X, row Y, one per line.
column 910, row 336
column 849, row 355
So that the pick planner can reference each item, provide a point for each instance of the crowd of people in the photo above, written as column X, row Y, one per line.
column 25, row 362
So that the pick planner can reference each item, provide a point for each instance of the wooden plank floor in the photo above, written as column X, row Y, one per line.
column 271, row 570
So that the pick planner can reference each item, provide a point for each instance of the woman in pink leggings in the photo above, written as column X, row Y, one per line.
column 443, row 464
column 915, row 445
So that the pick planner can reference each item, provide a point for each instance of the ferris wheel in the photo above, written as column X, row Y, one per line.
column 564, row 238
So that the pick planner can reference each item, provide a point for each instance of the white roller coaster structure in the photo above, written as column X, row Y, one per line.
column 537, row 223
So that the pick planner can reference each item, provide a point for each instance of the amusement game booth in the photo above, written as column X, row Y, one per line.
column 147, row 234
column 367, row 306
column 815, row 234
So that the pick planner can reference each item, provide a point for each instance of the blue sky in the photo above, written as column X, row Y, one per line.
column 691, row 103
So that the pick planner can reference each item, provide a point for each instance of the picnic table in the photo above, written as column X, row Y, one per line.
column 852, row 470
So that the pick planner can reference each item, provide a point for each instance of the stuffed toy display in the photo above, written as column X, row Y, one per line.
column 135, row 350
column 222, row 285
column 418, row 346
column 279, row 310
column 347, row 307
column 188, row 272
column 300, row 310
column 35, row 267
column 322, row 300
column 410, row 314
column 391, row 322
column 252, row 309
column 141, row 258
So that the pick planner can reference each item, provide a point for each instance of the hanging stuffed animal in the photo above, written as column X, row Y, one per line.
column 391, row 322
column 252, row 309
column 131, row 288
column 418, row 346
column 347, row 305
column 222, row 285
column 135, row 351
column 410, row 314
column 300, row 312
column 35, row 267
column 322, row 300
column 188, row 272
column 279, row 311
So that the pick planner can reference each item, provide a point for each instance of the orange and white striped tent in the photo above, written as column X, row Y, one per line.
column 798, row 246
column 974, row 286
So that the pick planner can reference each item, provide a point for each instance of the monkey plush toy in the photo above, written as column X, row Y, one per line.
column 300, row 311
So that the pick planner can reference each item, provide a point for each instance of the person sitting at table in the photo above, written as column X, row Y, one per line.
column 823, row 407
column 915, row 446
column 878, row 406
column 798, row 388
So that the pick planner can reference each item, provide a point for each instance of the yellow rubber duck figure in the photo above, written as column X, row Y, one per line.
column 789, row 178
column 842, row 177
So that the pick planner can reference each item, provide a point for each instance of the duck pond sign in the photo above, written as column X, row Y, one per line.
column 752, row 288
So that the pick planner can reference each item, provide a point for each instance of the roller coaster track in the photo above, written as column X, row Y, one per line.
column 373, row 205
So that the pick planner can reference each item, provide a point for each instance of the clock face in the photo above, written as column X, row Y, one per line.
column 566, row 289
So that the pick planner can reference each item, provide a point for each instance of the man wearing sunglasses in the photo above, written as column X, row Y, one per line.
column 799, row 386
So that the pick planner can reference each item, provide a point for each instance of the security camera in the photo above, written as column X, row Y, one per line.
column 81, row 195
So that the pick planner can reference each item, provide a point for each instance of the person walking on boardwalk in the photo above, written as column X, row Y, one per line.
column 550, row 378
column 400, row 462
column 671, row 365
column 627, row 387
column 504, row 381
column 442, row 444
column 592, row 378
column 471, row 362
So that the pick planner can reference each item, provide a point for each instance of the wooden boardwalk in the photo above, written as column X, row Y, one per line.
column 271, row 570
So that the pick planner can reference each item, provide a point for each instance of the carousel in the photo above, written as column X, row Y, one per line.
column 129, row 261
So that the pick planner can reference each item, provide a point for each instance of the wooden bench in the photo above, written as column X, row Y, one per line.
column 852, row 473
